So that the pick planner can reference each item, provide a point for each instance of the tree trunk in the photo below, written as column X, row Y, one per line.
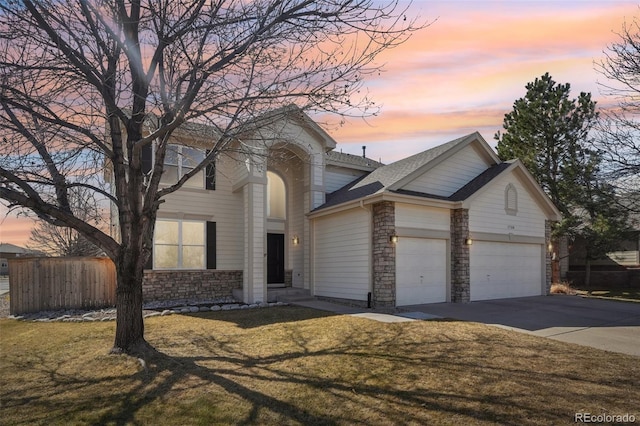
column 587, row 273
column 129, row 323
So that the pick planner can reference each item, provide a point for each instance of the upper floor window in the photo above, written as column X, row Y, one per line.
column 276, row 197
column 511, row 200
column 180, row 160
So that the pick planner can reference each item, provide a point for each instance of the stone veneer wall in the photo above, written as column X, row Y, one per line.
column 384, row 255
column 460, row 272
column 288, row 277
column 189, row 284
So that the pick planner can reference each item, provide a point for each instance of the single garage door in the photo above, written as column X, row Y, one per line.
column 502, row 270
column 421, row 271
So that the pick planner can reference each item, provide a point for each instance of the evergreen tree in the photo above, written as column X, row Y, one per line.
column 548, row 131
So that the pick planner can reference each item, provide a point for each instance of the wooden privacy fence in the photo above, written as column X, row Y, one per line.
column 52, row 283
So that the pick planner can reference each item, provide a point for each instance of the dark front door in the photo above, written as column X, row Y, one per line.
column 275, row 258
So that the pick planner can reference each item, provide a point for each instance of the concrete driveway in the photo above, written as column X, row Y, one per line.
column 602, row 324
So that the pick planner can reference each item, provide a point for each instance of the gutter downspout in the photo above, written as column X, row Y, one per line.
column 370, row 293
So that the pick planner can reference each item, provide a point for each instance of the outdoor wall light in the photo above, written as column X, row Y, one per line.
column 295, row 240
column 393, row 238
column 550, row 248
column 468, row 241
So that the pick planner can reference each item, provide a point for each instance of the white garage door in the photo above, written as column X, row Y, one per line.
column 502, row 270
column 421, row 271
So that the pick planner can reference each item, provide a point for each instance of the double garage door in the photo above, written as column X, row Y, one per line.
column 501, row 270
column 498, row 270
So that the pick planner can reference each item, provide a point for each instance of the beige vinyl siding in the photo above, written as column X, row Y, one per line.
column 220, row 206
column 450, row 175
column 421, row 217
column 487, row 212
column 337, row 177
column 341, row 255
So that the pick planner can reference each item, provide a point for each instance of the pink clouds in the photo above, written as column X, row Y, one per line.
column 14, row 230
column 464, row 71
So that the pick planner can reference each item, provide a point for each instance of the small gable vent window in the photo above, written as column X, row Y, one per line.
column 511, row 200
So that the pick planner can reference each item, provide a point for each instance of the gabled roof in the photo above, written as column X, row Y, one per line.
column 469, row 189
column 391, row 176
column 529, row 182
column 388, row 181
column 432, row 157
column 290, row 112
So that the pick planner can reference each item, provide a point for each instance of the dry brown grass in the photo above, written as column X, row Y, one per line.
column 624, row 294
column 562, row 288
column 298, row 366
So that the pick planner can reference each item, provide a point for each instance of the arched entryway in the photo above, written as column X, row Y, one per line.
column 276, row 229
column 280, row 181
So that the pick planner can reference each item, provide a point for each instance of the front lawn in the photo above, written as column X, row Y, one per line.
column 623, row 293
column 293, row 365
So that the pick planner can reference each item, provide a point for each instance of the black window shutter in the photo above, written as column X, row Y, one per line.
column 211, row 245
column 210, row 174
column 149, row 264
column 146, row 158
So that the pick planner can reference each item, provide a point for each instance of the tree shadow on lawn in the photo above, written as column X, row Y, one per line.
column 360, row 377
column 252, row 318
column 286, row 387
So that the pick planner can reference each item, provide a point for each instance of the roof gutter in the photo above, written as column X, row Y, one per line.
column 385, row 196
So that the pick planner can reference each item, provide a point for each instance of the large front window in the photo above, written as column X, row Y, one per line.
column 180, row 160
column 179, row 244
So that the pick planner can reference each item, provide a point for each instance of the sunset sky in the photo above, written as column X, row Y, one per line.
column 464, row 71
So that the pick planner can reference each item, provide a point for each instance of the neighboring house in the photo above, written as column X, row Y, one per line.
column 453, row 223
column 620, row 267
column 9, row 251
column 626, row 255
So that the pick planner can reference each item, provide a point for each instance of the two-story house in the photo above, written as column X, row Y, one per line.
column 452, row 223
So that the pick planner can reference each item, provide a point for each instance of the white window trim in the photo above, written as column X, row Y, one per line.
column 509, row 210
column 181, row 245
column 180, row 167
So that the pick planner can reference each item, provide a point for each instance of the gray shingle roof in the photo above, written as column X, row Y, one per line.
column 384, row 177
column 338, row 158
column 12, row 248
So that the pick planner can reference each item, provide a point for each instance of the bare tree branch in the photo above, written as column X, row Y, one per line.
column 88, row 87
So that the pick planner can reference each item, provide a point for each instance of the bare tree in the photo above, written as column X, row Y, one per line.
column 60, row 241
column 87, row 83
column 618, row 140
column 65, row 241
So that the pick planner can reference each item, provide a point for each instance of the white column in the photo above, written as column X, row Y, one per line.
column 254, row 274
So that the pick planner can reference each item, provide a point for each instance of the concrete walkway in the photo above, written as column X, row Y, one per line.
column 300, row 297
